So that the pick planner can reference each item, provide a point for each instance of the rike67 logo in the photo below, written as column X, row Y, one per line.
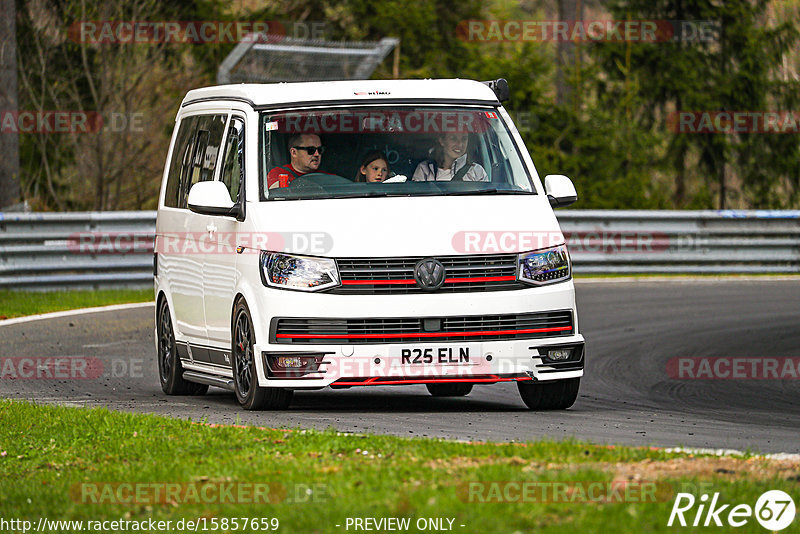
column 774, row 510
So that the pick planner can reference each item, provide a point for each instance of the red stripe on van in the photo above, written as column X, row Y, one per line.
column 426, row 334
column 447, row 281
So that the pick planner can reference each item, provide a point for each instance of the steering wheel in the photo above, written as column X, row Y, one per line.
column 317, row 182
column 302, row 184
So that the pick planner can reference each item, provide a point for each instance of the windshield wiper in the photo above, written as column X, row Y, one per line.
column 366, row 194
column 375, row 194
column 492, row 191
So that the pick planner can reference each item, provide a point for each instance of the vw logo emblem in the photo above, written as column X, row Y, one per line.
column 429, row 274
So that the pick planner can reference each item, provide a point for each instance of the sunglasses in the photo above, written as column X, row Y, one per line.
column 311, row 149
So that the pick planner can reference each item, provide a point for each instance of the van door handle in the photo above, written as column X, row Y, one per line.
column 211, row 228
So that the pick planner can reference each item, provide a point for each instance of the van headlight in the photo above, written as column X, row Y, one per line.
column 545, row 266
column 303, row 273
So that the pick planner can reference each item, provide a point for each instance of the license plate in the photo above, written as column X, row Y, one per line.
column 433, row 355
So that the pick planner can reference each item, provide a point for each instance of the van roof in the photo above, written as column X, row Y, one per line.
column 272, row 95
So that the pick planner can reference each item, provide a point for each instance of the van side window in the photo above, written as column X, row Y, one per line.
column 204, row 155
column 199, row 172
column 181, row 154
column 233, row 163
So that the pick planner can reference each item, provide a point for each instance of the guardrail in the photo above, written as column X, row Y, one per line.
column 42, row 250
column 692, row 242
column 39, row 250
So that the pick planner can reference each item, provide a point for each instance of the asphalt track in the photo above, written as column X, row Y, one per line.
column 632, row 329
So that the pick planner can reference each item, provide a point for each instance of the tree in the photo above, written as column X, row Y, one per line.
column 9, row 141
column 126, row 93
column 733, row 70
column 567, row 52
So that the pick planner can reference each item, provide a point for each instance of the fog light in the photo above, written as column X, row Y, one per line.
column 290, row 362
column 294, row 365
column 559, row 354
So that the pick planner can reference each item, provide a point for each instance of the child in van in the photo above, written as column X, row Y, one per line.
column 374, row 168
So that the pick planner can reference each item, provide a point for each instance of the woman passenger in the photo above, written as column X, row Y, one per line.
column 450, row 162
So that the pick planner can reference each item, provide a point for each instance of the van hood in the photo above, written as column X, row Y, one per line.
column 407, row 226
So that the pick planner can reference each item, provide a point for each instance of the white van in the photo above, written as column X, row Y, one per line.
column 361, row 233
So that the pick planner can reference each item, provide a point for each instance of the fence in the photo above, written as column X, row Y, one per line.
column 38, row 250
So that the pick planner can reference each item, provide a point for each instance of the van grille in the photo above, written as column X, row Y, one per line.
column 395, row 276
column 336, row 331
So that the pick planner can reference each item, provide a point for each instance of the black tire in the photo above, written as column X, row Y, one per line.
column 170, row 370
column 457, row 389
column 245, row 382
column 556, row 395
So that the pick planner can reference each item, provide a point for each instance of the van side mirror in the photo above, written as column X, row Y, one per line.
column 560, row 190
column 213, row 198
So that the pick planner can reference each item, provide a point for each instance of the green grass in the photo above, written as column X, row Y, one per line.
column 46, row 453
column 20, row 303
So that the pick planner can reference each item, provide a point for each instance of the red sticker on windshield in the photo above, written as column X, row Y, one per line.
column 491, row 114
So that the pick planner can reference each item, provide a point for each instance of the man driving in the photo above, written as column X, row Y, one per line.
column 305, row 154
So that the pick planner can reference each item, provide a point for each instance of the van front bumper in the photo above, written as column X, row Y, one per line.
column 479, row 359
column 420, row 363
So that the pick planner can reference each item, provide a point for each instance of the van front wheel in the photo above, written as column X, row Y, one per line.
column 245, row 380
column 555, row 395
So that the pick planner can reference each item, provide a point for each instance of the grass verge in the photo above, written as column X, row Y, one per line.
column 21, row 303
column 92, row 465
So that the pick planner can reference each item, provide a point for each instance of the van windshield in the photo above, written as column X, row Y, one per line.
column 388, row 151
